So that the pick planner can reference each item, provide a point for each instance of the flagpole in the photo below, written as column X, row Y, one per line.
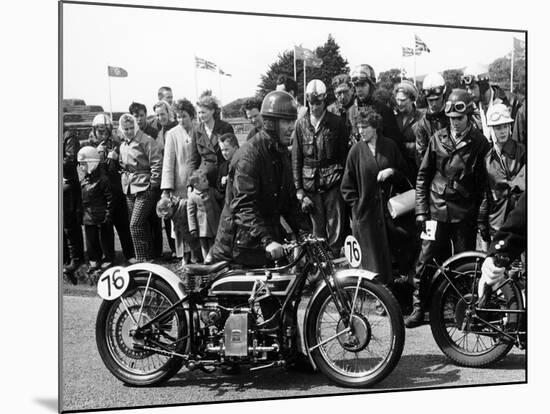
column 196, row 82
column 110, row 100
column 414, row 49
column 294, row 62
column 304, row 81
column 512, row 68
column 221, row 95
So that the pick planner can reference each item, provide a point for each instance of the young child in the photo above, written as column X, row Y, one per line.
column 175, row 209
column 97, row 209
column 228, row 145
column 203, row 211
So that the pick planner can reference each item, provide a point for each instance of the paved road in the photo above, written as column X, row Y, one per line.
column 88, row 384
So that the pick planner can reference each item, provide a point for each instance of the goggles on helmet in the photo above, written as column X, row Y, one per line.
column 359, row 81
column 434, row 91
column 459, row 107
column 495, row 116
column 468, row 79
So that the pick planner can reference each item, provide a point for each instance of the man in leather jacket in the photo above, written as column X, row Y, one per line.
column 319, row 151
column 345, row 98
column 260, row 190
column 451, row 182
column 434, row 89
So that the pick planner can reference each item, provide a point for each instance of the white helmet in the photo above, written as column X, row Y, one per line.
column 102, row 119
column 87, row 154
column 498, row 114
column 433, row 85
column 316, row 89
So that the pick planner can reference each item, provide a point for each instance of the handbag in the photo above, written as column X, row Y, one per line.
column 403, row 203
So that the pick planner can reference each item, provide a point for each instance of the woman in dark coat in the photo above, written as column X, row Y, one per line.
column 205, row 149
column 372, row 165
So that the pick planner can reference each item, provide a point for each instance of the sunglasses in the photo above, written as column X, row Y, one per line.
column 459, row 107
column 433, row 91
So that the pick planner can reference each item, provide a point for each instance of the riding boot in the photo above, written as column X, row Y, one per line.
column 416, row 318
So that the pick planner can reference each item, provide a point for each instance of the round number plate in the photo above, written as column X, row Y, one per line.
column 352, row 250
column 113, row 282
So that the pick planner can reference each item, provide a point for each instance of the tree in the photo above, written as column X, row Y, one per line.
column 453, row 78
column 333, row 64
column 499, row 73
column 384, row 87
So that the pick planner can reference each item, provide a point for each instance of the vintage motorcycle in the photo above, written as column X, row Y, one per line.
column 152, row 322
column 474, row 331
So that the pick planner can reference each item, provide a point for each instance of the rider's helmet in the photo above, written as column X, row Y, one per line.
column 316, row 91
column 476, row 74
column 433, row 86
column 279, row 105
column 363, row 72
column 88, row 159
column 459, row 103
column 498, row 114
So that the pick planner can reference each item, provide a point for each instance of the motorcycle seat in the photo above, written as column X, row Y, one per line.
column 205, row 269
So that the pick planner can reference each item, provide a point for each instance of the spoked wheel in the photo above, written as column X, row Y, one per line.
column 123, row 350
column 371, row 349
column 461, row 331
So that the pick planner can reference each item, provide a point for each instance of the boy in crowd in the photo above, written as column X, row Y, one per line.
column 228, row 146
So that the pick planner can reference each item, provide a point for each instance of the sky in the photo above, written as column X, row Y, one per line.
column 157, row 47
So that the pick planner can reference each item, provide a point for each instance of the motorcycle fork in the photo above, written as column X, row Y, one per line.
column 337, row 294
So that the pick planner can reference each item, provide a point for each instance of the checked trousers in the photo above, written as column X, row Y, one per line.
column 140, row 207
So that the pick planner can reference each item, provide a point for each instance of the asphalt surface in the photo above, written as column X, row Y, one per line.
column 87, row 384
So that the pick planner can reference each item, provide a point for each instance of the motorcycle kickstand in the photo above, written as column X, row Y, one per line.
column 273, row 364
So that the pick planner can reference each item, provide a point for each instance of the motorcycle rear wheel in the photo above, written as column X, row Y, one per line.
column 117, row 346
column 373, row 350
column 472, row 344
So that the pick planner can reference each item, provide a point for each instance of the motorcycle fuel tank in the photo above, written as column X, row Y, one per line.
column 242, row 284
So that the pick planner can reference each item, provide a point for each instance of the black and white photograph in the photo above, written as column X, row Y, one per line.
column 304, row 207
column 256, row 213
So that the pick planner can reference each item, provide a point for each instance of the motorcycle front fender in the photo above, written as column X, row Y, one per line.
column 161, row 272
column 341, row 275
column 453, row 262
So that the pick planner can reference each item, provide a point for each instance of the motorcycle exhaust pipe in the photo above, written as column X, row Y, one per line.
column 251, row 349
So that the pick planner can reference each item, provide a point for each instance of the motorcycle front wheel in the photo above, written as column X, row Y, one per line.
column 465, row 339
column 371, row 349
column 124, row 353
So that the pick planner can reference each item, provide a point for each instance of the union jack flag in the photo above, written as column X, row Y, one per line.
column 420, row 45
column 201, row 63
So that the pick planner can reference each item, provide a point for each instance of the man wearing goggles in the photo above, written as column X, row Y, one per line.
column 477, row 82
column 434, row 90
column 345, row 97
column 451, row 183
column 505, row 165
column 364, row 80
column 319, row 152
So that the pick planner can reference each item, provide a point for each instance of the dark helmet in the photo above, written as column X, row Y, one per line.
column 459, row 103
column 363, row 72
column 279, row 105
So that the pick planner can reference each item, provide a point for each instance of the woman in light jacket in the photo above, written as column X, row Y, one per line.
column 141, row 165
column 176, row 169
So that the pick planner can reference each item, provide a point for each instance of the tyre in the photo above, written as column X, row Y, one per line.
column 367, row 355
column 120, row 350
column 467, row 340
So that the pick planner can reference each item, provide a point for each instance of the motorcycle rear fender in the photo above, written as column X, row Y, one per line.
column 161, row 272
column 453, row 262
column 341, row 275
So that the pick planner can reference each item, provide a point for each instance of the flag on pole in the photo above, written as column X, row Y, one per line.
column 311, row 59
column 420, row 45
column 116, row 72
column 519, row 48
column 407, row 51
column 201, row 63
